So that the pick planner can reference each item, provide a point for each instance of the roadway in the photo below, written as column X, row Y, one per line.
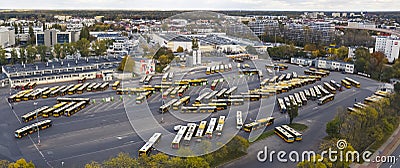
column 103, row 130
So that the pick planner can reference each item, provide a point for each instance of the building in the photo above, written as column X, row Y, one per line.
column 324, row 64
column 7, row 37
column 389, row 46
column 259, row 26
column 336, row 14
column 53, row 36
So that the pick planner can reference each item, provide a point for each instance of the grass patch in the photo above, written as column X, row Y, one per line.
column 296, row 126
column 228, row 158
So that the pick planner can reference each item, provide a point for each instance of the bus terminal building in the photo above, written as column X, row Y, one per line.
column 61, row 70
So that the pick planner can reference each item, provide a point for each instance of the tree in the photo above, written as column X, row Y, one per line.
column 3, row 60
column 21, row 163
column 69, row 48
column 333, row 127
column 84, row 34
column 251, row 50
column 179, row 49
column 99, row 47
column 57, row 50
column 32, row 39
column 122, row 160
column 4, row 163
column 310, row 47
column 196, row 162
column 342, row 52
column 15, row 28
column 315, row 162
column 22, row 55
column 127, row 64
column 14, row 56
column 293, row 113
column 82, row 46
column 397, row 87
column 93, row 164
column 31, row 53
column 41, row 50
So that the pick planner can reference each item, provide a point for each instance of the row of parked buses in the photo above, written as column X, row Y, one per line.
column 64, row 106
column 29, row 85
column 169, row 76
column 376, row 97
column 46, row 92
column 318, row 72
column 348, row 82
column 146, row 79
column 288, row 134
column 31, row 128
column 218, row 68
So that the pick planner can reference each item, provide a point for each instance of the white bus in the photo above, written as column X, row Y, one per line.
column 239, row 120
column 177, row 140
column 200, row 130
column 210, row 128
column 189, row 134
column 146, row 149
column 220, row 125
column 282, row 106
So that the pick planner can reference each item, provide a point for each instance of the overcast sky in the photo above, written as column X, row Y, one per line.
column 279, row 5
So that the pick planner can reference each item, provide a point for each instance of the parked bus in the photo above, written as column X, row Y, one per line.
column 220, row 125
column 346, row 83
column 210, row 96
column 286, row 136
column 65, row 90
column 189, row 109
column 32, row 85
column 146, row 148
column 211, row 127
column 165, row 108
column 143, row 79
column 189, row 133
column 75, row 108
column 297, row 136
column 298, row 99
column 239, row 120
column 148, row 79
column 70, row 99
column 33, row 114
column 329, row 87
column 199, row 99
column 177, row 140
column 353, row 82
column 214, row 84
column 73, row 90
column 207, row 109
column 220, row 106
column 263, row 122
column 116, row 85
column 49, row 111
column 323, row 90
column 81, row 89
column 104, row 86
column 25, row 87
column 208, row 71
column 165, row 77
column 326, row 99
column 140, row 99
column 317, row 92
column 282, row 106
column 312, row 93
column 303, row 98
column 48, row 92
column 200, row 131
column 221, row 93
column 61, row 111
column 29, row 129
column 82, row 80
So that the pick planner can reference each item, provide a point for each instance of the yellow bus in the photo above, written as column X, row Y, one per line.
column 286, row 136
column 263, row 122
column 353, row 82
column 346, row 83
column 116, row 85
column 297, row 136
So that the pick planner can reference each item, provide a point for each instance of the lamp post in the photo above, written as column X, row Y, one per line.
column 37, row 120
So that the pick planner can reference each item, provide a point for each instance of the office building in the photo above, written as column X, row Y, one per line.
column 7, row 37
column 389, row 46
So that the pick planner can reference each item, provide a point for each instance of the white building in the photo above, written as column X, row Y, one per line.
column 7, row 37
column 389, row 46
column 324, row 64
column 336, row 14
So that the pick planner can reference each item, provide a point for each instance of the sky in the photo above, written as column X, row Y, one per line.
column 267, row 5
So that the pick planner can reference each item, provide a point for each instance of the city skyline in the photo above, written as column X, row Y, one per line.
column 274, row 5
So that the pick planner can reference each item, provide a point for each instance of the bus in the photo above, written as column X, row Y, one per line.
column 382, row 93
column 142, row 79
column 211, row 127
column 199, row 99
column 70, row 99
column 214, row 84
column 49, row 111
column 165, row 108
column 208, row 71
column 298, row 99
column 55, row 92
column 251, row 97
column 353, row 82
column 189, row 109
column 89, row 88
column 82, row 80
column 189, row 133
column 263, row 122
column 170, row 76
column 25, row 87
column 207, row 109
column 81, row 89
column 210, row 96
column 221, row 68
column 32, row 85
column 73, row 90
column 329, row 87
column 29, row 129
column 221, row 93
column 177, row 140
column 312, row 93
column 282, row 106
column 307, row 93
column 323, row 90
column 297, row 136
column 220, row 125
column 146, row 148
column 317, row 92
column 220, row 106
column 212, row 70
column 217, row 69
column 140, row 99
column 65, row 90
column 176, row 105
column 293, row 100
column 75, row 108
column 61, row 111
column 286, row 136
column 104, row 86
column 346, row 83
column 33, row 114
column 326, row 99
column 239, row 120
column 165, row 77
column 116, row 85
column 200, row 130
column 47, row 93
column 303, row 98
column 148, row 79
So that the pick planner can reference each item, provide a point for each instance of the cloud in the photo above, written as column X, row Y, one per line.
column 308, row 5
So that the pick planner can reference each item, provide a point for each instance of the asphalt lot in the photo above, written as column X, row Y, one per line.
column 103, row 130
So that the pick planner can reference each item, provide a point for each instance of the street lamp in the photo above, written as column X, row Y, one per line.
column 37, row 120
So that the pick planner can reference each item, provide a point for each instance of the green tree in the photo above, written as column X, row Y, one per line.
column 82, row 46
column 293, row 113
column 31, row 53
column 397, row 87
column 333, row 127
column 179, row 49
column 342, row 52
column 41, row 50
column 251, row 50
column 127, row 64
column 22, row 55
column 15, row 28
column 57, row 50
column 32, row 39
column 21, row 163
column 197, row 162
column 93, row 164
column 69, row 48
column 315, row 162
column 14, row 56
column 122, row 160
column 3, row 60
column 159, row 160
column 4, row 163
column 99, row 47
column 84, row 34
column 310, row 47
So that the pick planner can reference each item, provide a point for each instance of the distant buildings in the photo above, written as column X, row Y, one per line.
column 7, row 37
column 259, row 26
column 390, row 46
column 53, row 36
column 324, row 64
